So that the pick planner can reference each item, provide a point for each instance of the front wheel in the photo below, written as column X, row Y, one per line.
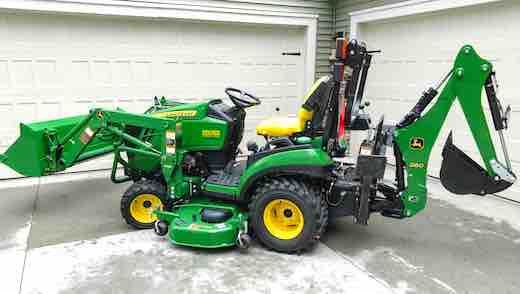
column 288, row 215
column 139, row 202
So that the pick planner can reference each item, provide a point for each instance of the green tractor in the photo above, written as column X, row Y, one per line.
column 191, row 183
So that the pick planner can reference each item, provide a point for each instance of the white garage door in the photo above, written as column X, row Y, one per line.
column 419, row 50
column 55, row 65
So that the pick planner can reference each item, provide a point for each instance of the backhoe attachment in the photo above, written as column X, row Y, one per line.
column 462, row 175
column 416, row 134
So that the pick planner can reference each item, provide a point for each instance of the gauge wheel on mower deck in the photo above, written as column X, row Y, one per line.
column 288, row 215
column 140, row 200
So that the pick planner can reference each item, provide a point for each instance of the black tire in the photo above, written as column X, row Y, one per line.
column 137, row 189
column 306, row 197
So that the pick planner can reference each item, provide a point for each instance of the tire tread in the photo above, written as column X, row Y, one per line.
column 143, row 186
column 311, row 194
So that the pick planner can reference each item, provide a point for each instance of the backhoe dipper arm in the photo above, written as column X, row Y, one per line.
column 415, row 138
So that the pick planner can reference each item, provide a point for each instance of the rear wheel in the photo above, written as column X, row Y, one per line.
column 139, row 202
column 288, row 215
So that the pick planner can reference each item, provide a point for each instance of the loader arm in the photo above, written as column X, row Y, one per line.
column 54, row 146
column 113, row 122
column 415, row 137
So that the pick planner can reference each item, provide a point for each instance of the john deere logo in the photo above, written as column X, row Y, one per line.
column 417, row 143
column 177, row 113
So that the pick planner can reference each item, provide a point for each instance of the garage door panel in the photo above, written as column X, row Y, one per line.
column 384, row 107
column 4, row 74
column 56, row 65
column 48, row 110
column 8, row 117
column 419, row 50
column 120, row 73
column 22, row 73
column 267, row 108
column 45, row 73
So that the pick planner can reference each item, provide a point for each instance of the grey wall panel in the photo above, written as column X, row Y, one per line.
column 342, row 8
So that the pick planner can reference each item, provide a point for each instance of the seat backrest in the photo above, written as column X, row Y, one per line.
column 314, row 107
column 236, row 132
column 218, row 159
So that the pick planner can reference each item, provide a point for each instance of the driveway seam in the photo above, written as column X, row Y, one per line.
column 29, row 234
column 361, row 268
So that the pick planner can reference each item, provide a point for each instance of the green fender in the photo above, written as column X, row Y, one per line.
column 312, row 162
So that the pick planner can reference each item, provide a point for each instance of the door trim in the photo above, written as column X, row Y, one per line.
column 405, row 8
column 182, row 11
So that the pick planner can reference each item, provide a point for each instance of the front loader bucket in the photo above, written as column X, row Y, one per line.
column 29, row 155
column 462, row 175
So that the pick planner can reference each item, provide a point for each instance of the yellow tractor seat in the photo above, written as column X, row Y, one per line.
column 288, row 126
column 284, row 126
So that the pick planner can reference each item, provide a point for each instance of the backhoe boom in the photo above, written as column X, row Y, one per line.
column 416, row 135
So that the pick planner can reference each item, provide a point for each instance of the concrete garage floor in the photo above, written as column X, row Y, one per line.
column 68, row 237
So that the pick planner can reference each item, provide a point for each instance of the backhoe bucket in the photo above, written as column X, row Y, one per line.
column 462, row 175
column 29, row 155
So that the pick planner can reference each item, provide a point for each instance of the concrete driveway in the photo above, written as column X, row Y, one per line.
column 60, row 235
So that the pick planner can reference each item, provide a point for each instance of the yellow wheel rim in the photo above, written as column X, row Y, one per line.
column 142, row 207
column 283, row 219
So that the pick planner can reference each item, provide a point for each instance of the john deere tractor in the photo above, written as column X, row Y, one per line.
column 190, row 183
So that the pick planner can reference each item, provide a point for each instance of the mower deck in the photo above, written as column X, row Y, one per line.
column 203, row 223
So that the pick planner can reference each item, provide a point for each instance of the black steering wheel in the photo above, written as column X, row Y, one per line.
column 241, row 98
